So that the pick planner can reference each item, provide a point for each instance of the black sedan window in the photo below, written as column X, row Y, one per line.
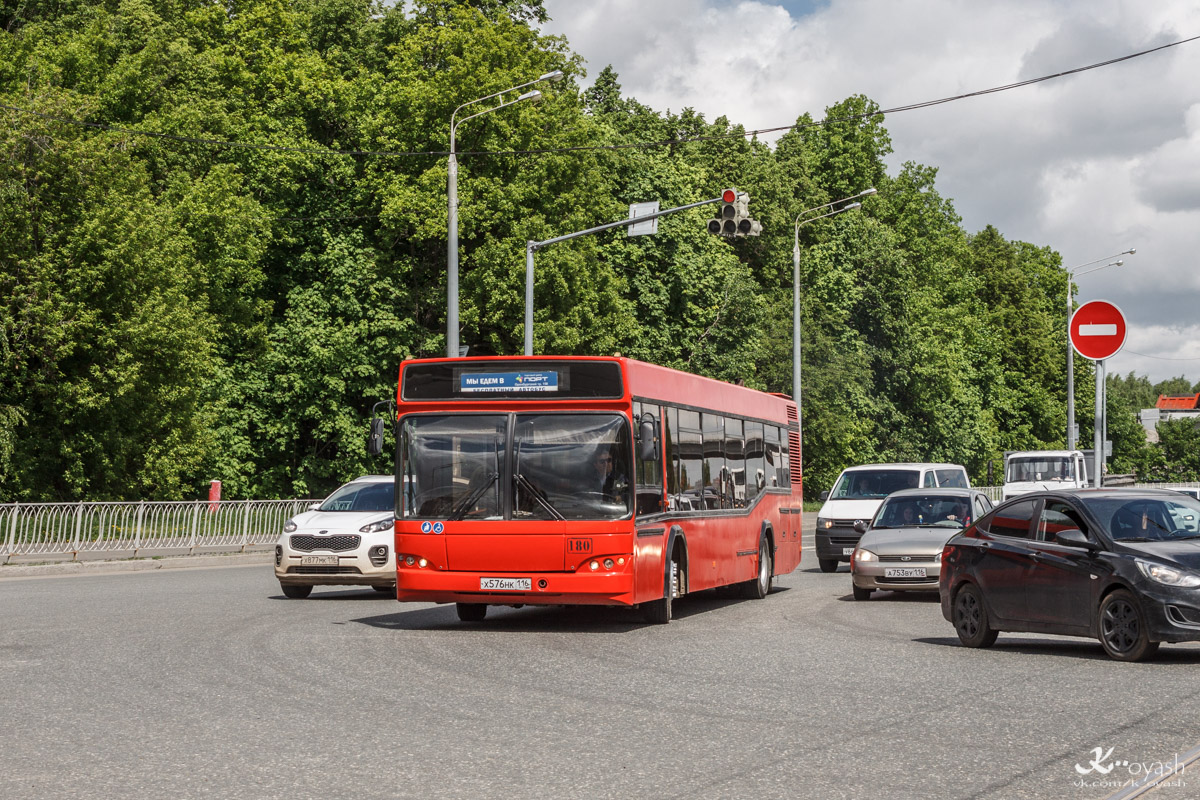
column 1057, row 516
column 1012, row 520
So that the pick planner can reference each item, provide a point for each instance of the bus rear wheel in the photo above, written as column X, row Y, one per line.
column 471, row 612
column 658, row 612
column 760, row 586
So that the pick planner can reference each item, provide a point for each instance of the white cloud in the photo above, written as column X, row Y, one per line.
column 1088, row 164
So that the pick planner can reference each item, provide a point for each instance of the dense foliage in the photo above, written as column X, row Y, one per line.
column 224, row 226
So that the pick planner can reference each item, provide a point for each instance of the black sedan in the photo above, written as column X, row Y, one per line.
column 1119, row 565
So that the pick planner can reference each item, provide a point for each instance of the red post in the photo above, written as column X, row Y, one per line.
column 214, row 496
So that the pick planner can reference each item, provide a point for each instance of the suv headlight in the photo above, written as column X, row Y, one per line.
column 289, row 526
column 1168, row 576
column 823, row 523
column 378, row 526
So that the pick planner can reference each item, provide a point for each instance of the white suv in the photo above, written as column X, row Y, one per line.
column 346, row 540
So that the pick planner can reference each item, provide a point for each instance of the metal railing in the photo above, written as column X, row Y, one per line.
column 996, row 493
column 57, row 531
column 76, row 531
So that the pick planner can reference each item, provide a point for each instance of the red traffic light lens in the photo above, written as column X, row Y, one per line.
column 729, row 195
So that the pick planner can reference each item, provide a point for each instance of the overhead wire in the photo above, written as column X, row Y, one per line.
column 584, row 148
column 1160, row 358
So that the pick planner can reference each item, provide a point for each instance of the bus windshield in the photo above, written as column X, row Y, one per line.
column 563, row 466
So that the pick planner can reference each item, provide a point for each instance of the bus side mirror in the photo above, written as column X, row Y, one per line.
column 375, row 439
column 823, row 496
column 647, row 439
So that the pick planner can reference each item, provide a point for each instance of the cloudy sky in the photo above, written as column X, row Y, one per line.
column 1090, row 164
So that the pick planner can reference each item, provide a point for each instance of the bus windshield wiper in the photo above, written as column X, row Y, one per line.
column 464, row 505
column 538, row 495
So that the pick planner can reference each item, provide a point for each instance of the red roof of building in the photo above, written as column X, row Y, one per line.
column 1186, row 402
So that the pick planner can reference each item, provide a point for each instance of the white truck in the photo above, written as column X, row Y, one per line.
column 1034, row 470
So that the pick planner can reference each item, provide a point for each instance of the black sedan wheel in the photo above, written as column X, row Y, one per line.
column 970, row 618
column 1123, row 629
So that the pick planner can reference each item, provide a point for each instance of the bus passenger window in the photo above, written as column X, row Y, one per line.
column 756, row 476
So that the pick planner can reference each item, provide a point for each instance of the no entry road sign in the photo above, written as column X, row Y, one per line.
column 1098, row 330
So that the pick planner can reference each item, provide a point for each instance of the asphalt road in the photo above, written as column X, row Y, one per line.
column 208, row 683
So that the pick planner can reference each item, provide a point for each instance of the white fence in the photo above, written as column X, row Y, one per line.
column 996, row 493
column 76, row 531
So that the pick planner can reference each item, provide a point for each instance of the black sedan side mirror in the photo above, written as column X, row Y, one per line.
column 860, row 526
column 1073, row 537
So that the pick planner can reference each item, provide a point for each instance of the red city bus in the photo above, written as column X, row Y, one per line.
column 570, row 480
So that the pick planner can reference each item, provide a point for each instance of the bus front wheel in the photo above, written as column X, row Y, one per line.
column 658, row 612
column 471, row 612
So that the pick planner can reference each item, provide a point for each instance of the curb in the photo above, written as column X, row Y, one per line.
column 68, row 568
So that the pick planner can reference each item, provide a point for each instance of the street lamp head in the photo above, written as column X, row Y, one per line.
column 556, row 75
column 870, row 191
column 1130, row 251
column 851, row 206
column 534, row 95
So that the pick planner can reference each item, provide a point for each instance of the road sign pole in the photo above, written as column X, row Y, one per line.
column 1098, row 436
column 1097, row 332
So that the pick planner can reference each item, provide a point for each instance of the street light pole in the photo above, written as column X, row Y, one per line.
column 532, row 247
column 802, row 220
column 452, row 200
column 1071, row 273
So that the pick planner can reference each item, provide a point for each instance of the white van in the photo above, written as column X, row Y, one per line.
column 857, row 494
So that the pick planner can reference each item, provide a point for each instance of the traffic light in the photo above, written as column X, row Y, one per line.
column 733, row 218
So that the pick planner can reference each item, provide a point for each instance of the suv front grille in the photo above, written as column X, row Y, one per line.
column 306, row 543
column 312, row 570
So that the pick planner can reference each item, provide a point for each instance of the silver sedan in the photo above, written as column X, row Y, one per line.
column 901, row 549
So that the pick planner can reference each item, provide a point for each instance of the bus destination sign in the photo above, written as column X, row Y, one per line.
column 479, row 382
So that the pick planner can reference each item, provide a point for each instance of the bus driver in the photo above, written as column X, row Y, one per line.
column 602, row 479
